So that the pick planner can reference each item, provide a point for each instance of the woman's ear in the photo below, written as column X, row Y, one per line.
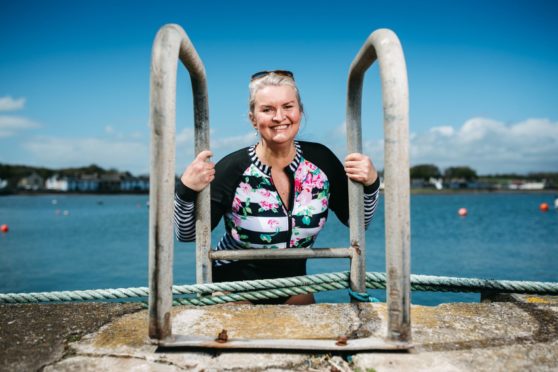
column 252, row 119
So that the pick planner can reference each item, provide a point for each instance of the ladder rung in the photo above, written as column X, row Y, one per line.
column 279, row 254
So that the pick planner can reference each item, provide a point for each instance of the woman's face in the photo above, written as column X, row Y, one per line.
column 276, row 114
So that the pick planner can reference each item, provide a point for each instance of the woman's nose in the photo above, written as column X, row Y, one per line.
column 279, row 115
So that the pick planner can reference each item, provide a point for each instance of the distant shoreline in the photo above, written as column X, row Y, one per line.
column 471, row 191
column 58, row 193
column 413, row 192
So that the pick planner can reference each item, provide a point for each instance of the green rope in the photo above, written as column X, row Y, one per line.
column 430, row 283
column 283, row 287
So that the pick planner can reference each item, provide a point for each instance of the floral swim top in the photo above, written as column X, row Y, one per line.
column 256, row 217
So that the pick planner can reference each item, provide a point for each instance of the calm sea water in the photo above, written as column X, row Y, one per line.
column 70, row 242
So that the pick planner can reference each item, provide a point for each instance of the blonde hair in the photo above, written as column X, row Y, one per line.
column 271, row 79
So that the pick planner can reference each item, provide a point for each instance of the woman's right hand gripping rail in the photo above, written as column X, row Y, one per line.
column 200, row 172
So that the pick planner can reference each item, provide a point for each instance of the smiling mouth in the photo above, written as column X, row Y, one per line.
column 281, row 127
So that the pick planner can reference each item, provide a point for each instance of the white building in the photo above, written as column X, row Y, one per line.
column 524, row 185
column 57, row 183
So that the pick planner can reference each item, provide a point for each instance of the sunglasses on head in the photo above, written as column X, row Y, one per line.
column 261, row 74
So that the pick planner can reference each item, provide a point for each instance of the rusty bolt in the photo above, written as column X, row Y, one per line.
column 341, row 341
column 355, row 244
column 222, row 337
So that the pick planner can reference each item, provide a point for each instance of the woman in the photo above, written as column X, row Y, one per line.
column 276, row 193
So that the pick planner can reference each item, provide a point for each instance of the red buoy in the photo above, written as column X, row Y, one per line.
column 462, row 212
column 4, row 228
column 543, row 207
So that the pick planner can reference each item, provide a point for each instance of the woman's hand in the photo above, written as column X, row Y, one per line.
column 359, row 168
column 200, row 172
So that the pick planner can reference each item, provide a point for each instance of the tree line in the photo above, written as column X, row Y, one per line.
column 427, row 171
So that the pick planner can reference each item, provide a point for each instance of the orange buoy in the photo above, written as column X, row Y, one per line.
column 462, row 212
column 4, row 228
column 543, row 207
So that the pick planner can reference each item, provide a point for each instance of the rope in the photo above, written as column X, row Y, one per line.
column 430, row 283
column 283, row 287
column 362, row 296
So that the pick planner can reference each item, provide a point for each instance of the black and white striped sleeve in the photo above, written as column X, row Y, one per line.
column 184, row 214
column 370, row 203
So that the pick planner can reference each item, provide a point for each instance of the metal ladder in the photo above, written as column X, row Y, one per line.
column 171, row 44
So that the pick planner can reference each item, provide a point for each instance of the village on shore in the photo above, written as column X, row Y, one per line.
column 94, row 179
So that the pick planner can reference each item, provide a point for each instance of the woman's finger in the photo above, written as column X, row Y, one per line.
column 354, row 156
column 359, row 168
column 204, row 155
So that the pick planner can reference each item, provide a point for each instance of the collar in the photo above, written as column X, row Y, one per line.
column 267, row 169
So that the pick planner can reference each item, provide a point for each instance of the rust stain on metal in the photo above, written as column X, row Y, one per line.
column 355, row 244
column 222, row 337
column 341, row 341
column 167, row 325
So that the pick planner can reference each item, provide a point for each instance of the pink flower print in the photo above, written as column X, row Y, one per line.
column 273, row 223
column 265, row 205
column 297, row 185
column 237, row 204
column 318, row 181
column 322, row 222
column 246, row 188
column 305, row 197
column 236, row 219
column 265, row 193
column 235, row 235
column 324, row 203
column 307, row 187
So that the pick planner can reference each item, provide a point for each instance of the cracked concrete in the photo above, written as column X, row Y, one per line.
column 499, row 336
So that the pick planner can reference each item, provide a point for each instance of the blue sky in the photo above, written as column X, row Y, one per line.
column 74, row 77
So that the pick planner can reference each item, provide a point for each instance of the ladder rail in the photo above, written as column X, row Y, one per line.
column 384, row 46
column 171, row 44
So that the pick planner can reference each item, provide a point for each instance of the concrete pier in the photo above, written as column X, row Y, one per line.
column 519, row 334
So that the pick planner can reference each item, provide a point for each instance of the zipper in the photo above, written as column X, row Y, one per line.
column 291, row 204
column 288, row 210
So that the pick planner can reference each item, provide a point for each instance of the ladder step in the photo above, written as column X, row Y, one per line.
column 280, row 254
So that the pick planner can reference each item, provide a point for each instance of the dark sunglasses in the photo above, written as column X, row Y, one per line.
column 261, row 74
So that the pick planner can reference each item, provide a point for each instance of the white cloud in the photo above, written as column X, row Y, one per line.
column 490, row 146
column 7, row 103
column 10, row 124
column 444, row 131
column 69, row 152
column 486, row 145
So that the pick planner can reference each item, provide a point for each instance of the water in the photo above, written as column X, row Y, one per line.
column 70, row 242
